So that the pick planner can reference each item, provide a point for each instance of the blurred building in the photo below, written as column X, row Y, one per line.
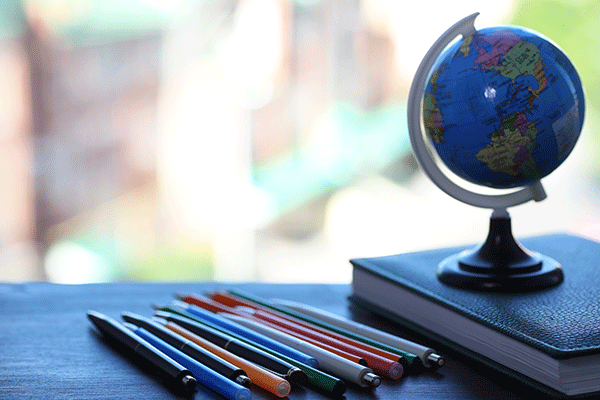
column 18, row 255
column 230, row 140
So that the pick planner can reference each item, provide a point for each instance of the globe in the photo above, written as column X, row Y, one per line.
column 503, row 107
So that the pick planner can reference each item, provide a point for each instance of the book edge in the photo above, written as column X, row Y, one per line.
column 448, row 344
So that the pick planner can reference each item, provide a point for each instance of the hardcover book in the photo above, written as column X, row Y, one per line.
column 548, row 338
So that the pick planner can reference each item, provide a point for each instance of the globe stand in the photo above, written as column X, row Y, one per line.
column 500, row 263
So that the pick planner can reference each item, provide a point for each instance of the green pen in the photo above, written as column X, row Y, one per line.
column 411, row 360
column 318, row 379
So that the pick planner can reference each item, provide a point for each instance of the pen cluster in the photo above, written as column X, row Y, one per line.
column 230, row 341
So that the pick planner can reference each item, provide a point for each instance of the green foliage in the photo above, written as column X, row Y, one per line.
column 169, row 263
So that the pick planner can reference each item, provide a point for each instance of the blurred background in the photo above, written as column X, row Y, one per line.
column 259, row 140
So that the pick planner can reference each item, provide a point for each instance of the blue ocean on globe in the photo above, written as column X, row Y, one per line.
column 503, row 107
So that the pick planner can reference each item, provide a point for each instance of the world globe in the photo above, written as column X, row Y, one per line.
column 503, row 107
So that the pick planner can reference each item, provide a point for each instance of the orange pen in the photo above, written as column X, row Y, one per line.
column 259, row 376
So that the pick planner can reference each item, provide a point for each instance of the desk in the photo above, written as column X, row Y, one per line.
column 49, row 350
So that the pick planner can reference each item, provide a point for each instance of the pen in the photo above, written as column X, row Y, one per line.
column 247, row 333
column 329, row 362
column 205, row 302
column 259, row 376
column 314, row 377
column 201, row 355
column 389, row 367
column 242, row 298
column 428, row 356
column 178, row 374
column 237, row 347
column 209, row 378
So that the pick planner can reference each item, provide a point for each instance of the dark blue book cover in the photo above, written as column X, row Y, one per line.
column 549, row 336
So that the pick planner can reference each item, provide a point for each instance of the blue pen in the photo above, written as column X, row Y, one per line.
column 247, row 333
column 204, row 375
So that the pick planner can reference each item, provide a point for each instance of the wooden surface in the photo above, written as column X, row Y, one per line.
column 49, row 349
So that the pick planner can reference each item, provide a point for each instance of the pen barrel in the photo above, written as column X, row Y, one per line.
column 263, row 359
column 203, row 374
column 165, row 364
column 114, row 331
column 212, row 335
column 322, row 380
column 213, row 361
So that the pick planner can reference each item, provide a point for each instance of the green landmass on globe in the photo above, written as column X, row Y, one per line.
column 503, row 107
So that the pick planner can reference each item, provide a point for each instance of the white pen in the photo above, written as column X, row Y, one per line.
column 328, row 362
column 428, row 356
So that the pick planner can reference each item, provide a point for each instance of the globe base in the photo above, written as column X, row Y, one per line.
column 500, row 264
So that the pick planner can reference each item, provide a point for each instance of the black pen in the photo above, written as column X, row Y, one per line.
column 180, row 376
column 237, row 347
column 190, row 348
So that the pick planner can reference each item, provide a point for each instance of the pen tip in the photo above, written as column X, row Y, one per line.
column 159, row 320
column 162, row 314
column 372, row 380
column 130, row 326
column 131, row 317
column 296, row 375
column 283, row 388
column 231, row 316
column 95, row 316
column 179, row 296
column 396, row 371
column 245, row 310
column 189, row 382
column 157, row 306
column 243, row 380
column 179, row 304
column 436, row 360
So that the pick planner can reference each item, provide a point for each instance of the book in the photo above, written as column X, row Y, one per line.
column 549, row 338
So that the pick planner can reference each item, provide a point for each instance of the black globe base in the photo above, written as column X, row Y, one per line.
column 500, row 264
